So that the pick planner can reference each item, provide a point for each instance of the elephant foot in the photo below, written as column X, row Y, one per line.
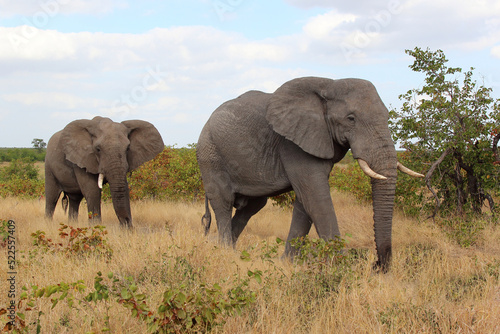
column 378, row 266
column 126, row 223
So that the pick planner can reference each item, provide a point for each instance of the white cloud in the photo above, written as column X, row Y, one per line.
column 342, row 5
column 181, row 118
column 322, row 26
column 37, row 12
column 252, row 51
column 52, row 100
column 495, row 51
column 29, row 43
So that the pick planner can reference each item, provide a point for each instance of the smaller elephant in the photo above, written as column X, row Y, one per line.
column 88, row 153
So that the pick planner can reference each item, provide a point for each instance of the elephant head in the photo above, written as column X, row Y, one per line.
column 327, row 117
column 111, row 150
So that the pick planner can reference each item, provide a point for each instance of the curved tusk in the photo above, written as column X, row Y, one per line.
column 409, row 171
column 368, row 171
column 100, row 180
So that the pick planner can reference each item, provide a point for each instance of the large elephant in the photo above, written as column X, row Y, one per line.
column 88, row 153
column 260, row 145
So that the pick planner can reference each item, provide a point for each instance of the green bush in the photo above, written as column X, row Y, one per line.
column 20, row 179
column 173, row 174
column 350, row 178
column 32, row 154
column 23, row 169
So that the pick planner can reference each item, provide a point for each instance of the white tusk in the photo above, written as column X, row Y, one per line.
column 408, row 171
column 368, row 171
column 100, row 180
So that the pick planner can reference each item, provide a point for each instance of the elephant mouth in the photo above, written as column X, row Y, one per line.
column 374, row 175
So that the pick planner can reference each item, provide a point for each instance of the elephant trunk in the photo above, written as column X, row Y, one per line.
column 383, row 172
column 383, row 193
column 118, row 187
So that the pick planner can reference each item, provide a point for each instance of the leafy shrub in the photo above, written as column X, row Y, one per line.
column 350, row 178
column 80, row 241
column 11, row 154
column 22, row 188
column 22, row 169
column 20, row 179
column 325, row 263
column 411, row 193
column 466, row 231
column 181, row 310
column 285, row 200
column 173, row 174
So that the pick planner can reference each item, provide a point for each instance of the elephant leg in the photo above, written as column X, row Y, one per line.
column 94, row 206
column 92, row 193
column 322, row 213
column 220, row 194
column 300, row 227
column 74, row 205
column 243, row 215
column 52, row 193
column 313, row 192
column 223, row 210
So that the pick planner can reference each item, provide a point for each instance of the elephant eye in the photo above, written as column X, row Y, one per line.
column 98, row 149
column 351, row 118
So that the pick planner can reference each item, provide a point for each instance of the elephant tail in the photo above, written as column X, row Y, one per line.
column 64, row 202
column 206, row 220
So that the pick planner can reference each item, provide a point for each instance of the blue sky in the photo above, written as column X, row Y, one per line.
column 172, row 62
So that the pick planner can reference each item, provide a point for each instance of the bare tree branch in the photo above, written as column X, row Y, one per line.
column 428, row 177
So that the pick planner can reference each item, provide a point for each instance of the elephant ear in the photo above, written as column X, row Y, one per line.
column 297, row 112
column 77, row 145
column 145, row 142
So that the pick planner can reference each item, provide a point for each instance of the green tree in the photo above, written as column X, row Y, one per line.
column 38, row 144
column 452, row 127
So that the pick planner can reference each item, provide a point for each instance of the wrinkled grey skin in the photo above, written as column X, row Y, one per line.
column 260, row 145
column 85, row 148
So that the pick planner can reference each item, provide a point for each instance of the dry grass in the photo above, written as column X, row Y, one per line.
column 434, row 286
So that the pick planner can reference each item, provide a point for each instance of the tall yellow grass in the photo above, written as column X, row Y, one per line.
column 434, row 286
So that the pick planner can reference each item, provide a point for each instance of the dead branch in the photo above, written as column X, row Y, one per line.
column 428, row 177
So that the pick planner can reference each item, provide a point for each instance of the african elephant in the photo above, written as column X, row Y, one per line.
column 88, row 153
column 260, row 145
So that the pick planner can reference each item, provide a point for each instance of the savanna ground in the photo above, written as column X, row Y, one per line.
column 433, row 286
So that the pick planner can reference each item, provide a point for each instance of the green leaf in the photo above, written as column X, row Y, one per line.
column 180, row 298
column 54, row 303
column 125, row 294
column 245, row 256
column 181, row 314
column 39, row 293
